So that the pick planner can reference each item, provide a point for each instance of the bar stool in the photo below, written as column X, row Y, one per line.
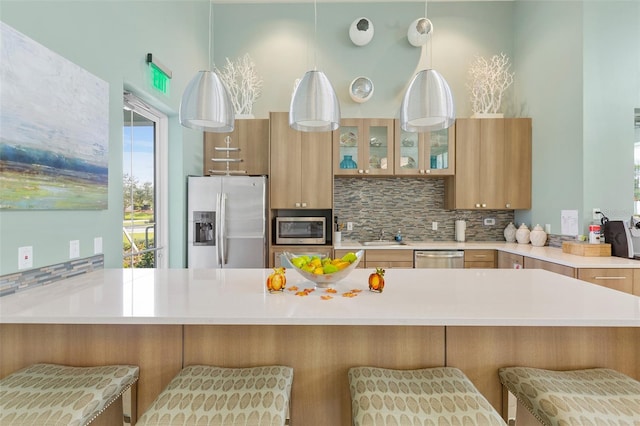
column 207, row 395
column 49, row 394
column 442, row 395
column 592, row 396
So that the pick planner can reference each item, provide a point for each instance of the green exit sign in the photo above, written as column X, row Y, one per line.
column 159, row 80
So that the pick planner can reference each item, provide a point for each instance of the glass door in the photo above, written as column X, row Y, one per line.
column 142, row 191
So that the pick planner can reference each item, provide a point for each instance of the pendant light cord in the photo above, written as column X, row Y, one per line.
column 210, row 43
column 315, row 35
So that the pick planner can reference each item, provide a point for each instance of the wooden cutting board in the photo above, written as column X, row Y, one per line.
column 585, row 249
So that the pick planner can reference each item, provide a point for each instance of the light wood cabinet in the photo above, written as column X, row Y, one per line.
column 424, row 154
column 531, row 263
column 617, row 279
column 244, row 151
column 363, row 147
column 276, row 252
column 337, row 253
column 481, row 258
column 510, row 261
column 300, row 175
column 388, row 258
column 493, row 165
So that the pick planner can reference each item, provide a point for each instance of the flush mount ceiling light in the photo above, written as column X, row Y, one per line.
column 206, row 104
column 427, row 104
column 314, row 104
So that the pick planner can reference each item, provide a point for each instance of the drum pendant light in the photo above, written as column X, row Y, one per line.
column 206, row 104
column 427, row 104
column 314, row 104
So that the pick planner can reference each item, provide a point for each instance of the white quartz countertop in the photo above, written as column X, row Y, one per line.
column 469, row 297
column 549, row 254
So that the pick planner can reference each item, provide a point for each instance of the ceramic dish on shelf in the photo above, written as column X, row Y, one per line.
column 375, row 142
column 324, row 280
column 348, row 139
column 374, row 162
column 407, row 142
column 407, row 163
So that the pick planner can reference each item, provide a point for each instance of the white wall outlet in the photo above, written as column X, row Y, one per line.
column 74, row 249
column 596, row 214
column 25, row 257
column 349, row 226
column 489, row 221
column 434, row 226
column 547, row 228
column 97, row 245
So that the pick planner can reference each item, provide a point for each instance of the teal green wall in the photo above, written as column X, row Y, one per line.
column 563, row 53
column 579, row 68
column 111, row 40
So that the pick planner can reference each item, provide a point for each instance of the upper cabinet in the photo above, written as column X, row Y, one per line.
column 363, row 147
column 243, row 151
column 425, row 154
column 493, row 165
column 300, row 175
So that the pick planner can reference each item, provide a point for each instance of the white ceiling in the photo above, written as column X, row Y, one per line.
column 345, row 1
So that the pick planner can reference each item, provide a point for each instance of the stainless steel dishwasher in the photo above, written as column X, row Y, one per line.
column 438, row 259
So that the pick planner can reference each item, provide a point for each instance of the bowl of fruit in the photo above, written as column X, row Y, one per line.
column 322, row 270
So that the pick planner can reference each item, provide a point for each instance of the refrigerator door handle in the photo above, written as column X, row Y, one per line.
column 223, row 222
column 218, row 227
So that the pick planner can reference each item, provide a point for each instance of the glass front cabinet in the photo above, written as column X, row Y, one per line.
column 425, row 154
column 363, row 146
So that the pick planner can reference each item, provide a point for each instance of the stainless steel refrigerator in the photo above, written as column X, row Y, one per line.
column 227, row 222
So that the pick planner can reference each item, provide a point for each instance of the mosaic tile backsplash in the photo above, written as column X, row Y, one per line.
column 408, row 205
column 20, row 281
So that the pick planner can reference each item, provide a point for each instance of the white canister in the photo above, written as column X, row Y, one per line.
column 523, row 234
column 510, row 233
column 461, row 227
column 538, row 236
column 337, row 237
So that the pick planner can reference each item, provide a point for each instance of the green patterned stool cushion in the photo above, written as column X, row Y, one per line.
column 431, row 396
column 58, row 395
column 598, row 396
column 206, row 396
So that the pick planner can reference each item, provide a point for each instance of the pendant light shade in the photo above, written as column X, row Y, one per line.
column 427, row 104
column 314, row 104
column 206, row 104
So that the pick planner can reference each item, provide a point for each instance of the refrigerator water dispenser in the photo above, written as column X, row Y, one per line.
column 204, row 228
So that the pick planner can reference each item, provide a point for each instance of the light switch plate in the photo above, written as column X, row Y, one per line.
column 74, row 249
column 97, row 245
column 434, row 226
column 25, row 257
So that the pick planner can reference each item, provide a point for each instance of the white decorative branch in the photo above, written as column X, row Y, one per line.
column 244, row 85
column 489, row 80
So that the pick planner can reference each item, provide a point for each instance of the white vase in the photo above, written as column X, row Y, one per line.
column 523, row 234
column 510, row 233
column 538, row 236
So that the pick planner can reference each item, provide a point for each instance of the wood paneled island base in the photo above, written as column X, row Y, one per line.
column 320, row 355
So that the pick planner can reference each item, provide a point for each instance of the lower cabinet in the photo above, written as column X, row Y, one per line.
column 276, row 252
column 510, row 261
column 480, row 259
column 388, row 259
column 617, row 279
column 531, row 263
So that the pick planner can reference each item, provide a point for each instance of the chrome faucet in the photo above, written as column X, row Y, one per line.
column 381, row 235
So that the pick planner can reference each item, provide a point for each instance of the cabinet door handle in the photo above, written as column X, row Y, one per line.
column 508, row 205
column 609, row 278
column 477, row 204
column 304, row 204
column 427, row 171
column 297, row 204
column 484, row 205
column 421, row 171
column 479, row 255
column 360, row 171
column 366, row 171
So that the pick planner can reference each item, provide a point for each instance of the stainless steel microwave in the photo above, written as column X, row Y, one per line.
column 301, row 230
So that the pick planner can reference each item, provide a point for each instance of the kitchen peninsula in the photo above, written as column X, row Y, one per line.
column 476, row 320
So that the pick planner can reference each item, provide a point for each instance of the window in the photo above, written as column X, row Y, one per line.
column 144, row 224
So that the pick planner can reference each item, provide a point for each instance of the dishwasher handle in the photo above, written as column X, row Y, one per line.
column 439, row 254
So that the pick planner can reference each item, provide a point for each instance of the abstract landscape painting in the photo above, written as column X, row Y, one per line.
column 54, row 129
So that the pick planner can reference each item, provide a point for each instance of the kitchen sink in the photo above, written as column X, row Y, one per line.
column 383, row 243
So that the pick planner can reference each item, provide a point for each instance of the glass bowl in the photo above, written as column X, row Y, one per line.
column 322, row 280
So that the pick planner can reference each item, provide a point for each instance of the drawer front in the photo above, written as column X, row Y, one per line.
column 479, row 255
column 479, row 265
column 387, row 264
column 390, row 256
column 617, row 279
